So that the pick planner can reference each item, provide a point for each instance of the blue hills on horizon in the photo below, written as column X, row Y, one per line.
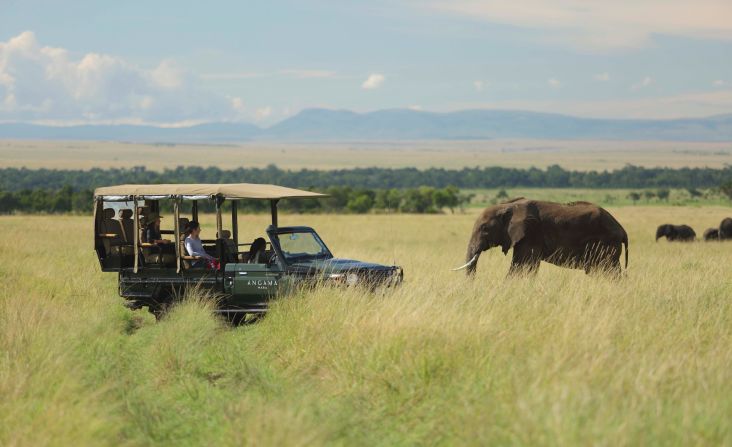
column 313, row 125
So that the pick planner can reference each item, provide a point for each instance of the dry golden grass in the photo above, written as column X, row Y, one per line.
column 559, row 359
column 579, row 155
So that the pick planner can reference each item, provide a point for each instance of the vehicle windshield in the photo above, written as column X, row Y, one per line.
column 298, row 246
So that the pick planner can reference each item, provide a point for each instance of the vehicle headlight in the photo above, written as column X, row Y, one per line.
column 351, row 279
column 338, row 278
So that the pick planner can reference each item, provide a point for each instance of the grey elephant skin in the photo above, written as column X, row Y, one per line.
column 711, row 234
column 677, row 233
column 725, row 229
column 577, row 235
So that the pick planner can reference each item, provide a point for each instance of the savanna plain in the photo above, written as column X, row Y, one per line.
column 557, row 359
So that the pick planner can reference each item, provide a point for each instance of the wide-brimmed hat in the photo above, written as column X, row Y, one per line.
column 150, row 218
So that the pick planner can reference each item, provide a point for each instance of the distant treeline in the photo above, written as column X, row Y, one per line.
column 13, row 179
column 341, row 200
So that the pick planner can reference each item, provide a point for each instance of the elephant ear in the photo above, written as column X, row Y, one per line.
column 518, row 219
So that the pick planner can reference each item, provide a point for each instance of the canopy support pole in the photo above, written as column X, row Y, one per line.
column 219, row 225
column 176, row 226
column 136, row 238
column 194, row 210
column 235, row 222
column 273, row 208
column 98, row 209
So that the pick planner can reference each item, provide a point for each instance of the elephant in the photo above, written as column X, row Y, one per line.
column 577, row 235
column 711, row 234
column 725, row 229
column 681, row 233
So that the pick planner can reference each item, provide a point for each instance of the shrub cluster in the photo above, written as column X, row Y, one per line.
column 341, row 200
column 14, row 179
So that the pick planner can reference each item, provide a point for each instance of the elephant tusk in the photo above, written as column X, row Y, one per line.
column 471, row 262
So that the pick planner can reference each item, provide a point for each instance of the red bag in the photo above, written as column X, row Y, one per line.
column 214, row 264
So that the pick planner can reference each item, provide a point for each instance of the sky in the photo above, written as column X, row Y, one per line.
column 176, row 63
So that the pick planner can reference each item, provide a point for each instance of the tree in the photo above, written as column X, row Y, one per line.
column 418, row 201
column 446, row 198
column 663, row 194
column 388, row 199
column 694, row 193
column 361, row 203
column 502, row 194
column 634, row 196
column 648, row 195
column 726, row 189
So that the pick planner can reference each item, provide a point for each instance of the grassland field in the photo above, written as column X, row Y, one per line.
column 556, row 359
column 573, row 155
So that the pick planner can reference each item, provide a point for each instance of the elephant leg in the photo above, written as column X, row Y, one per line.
column 526, row 259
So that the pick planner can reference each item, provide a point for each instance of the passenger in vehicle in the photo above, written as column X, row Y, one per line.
column 153, row 236
column 194, row 246
column 257, row 251
column 232, row 251
column 152, row 230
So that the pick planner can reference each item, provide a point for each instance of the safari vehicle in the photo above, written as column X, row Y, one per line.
column 248, row 274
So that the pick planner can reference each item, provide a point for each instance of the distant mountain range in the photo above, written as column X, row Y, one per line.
column 398, row 124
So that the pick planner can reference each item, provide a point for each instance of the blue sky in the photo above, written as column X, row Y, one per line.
column 176, row 63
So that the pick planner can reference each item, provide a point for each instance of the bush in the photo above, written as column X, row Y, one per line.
column 341, row 199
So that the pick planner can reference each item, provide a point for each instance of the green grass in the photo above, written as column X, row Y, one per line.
column 559, row 359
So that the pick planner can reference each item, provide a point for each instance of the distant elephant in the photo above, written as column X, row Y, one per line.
column 711, row 234
column 577, row 235
column 681, row 233
column 725, row 229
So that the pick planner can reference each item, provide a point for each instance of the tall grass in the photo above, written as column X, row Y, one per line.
column 560, row 358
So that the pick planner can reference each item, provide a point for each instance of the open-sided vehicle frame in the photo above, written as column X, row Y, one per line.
column 149, row 277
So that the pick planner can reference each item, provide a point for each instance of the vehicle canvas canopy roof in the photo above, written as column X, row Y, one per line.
column 198, row 191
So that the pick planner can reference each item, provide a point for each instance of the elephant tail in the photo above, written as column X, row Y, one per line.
column 625, row 243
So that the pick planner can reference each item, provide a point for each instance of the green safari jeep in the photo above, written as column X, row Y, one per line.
column 154, row 266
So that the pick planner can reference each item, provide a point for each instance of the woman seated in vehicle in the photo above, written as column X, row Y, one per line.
column 194, row 246
column 153, row 236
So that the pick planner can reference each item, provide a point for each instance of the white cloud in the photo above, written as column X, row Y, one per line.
column 40, row 83
column 238, row 104
column 602, row 24
column 373, row 81
column 643, row 83
column 602, row 77
column 719, row 83
column 415, row 107
column 168, row 75
column 263, row 113
column 479, row 86
column 554, row 83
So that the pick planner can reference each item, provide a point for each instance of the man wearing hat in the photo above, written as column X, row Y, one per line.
column 152, row 231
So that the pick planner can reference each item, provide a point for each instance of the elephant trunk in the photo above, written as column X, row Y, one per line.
column 659, row 233
column 471, row 257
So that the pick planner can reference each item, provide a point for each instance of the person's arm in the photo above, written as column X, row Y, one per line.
column 153, row 236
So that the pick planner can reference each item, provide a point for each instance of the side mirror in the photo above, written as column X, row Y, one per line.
column 272, row 260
